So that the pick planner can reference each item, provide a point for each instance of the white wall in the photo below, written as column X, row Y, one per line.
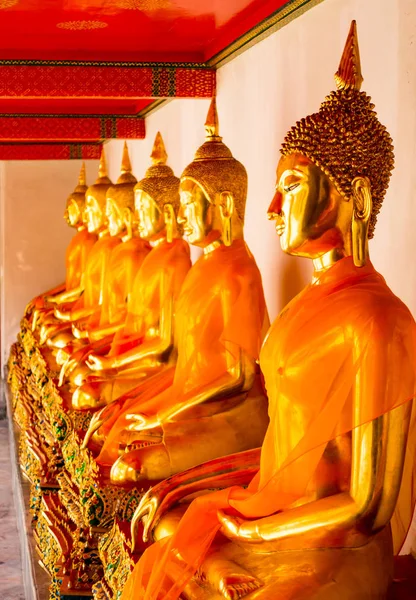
column 265, row 90
column 33, row 233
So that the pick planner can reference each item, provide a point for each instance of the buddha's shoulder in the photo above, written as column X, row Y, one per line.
column 373, row 304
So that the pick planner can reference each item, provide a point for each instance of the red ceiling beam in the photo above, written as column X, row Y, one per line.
column 62, row 79
column 49, row 151
column 41, row 128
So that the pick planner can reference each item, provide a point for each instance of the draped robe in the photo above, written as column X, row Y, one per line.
column 310, row 361
column 76, row 256
column 220, row 313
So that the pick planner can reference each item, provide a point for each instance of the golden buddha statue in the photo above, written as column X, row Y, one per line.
column 143, row 345
column 199, row 410
column 333, row 477
column 96, row 332
column 75, row 258
column 88, row 295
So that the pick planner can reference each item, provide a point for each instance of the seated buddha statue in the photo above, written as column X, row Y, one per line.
column 88, row 294
column 200, row 409
column 96, row 328
column 142, row 346
column 75, row 257
column 329, row 496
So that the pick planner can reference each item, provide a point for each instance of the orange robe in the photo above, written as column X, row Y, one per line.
column 95, row 271
column 310, row 363
column 76, row 257
column 124, row 262
column 162, row 273
column 221, row 311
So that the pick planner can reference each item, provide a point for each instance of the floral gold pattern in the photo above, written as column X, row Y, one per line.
column 144, row 5
column 82, row 25
column 8, row 3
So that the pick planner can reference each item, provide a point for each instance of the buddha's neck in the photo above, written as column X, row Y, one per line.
column 127, row 236
column 102, row 232
column 213, row 246
column 158, row 241
column 219, row 242
column 326, row 261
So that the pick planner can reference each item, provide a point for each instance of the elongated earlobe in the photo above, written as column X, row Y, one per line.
column 361, row 190
column 226, row 211
column 169, row 216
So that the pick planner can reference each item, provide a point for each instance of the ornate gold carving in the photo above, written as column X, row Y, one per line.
column 101, row 591
column 115, row 552
column 47, row 546
column 82, row 25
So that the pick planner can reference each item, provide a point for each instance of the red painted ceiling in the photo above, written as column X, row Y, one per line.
column 138, row 30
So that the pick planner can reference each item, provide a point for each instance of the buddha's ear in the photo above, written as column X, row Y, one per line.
column 170, row 220
column 127, row 214
column 362, row 208
column 226, row 204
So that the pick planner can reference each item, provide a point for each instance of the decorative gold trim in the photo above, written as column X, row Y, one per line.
column 276, row 21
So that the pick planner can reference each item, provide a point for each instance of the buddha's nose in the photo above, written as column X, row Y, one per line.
column 275, row 207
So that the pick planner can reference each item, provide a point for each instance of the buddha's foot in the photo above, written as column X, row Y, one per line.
column 150, row 462
column 230, row 579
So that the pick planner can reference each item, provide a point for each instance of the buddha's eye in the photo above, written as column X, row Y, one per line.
column 290, row 188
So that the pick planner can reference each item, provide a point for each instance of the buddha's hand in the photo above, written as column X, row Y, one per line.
column 143, row 422
column 69, row 365
column 101, row 417
column 100, row 363
column 236, row 528
column 63, row 315
column 149, row 513
column 44, row 334
column 97, row 420
column 79, row 331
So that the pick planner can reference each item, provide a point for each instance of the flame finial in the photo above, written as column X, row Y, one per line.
column 82, row 179
column 212, row 125
column 102, row 169
column 159, row 155
column 349, row 74
column 125, row 162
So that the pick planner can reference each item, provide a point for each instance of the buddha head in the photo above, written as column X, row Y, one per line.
column 213, row 191
column 95, row 199
column 120, row 200
column 157, row 197
column 334, row 171
column 75, row 205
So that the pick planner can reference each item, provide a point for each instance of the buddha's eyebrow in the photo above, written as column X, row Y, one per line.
column 290, row 173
